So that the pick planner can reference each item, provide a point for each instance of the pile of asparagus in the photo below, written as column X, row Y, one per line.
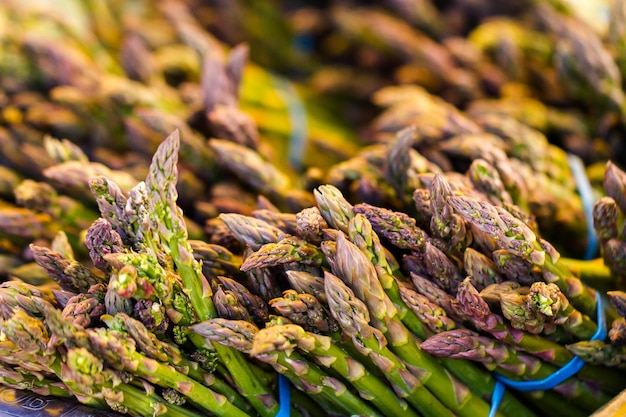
column 383, row 277
column 362, row 310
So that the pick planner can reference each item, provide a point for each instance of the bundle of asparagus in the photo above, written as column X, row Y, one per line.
column 160, row 324
column 393, row 279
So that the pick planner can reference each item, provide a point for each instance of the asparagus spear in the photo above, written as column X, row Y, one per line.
column 429, row 313
column 618, row 300
column 253, row 303
column 82, row 372
column 251, row 231
column 102, row 240
column 444, row 223
column 478, row 311
column 335, row 209
column 617, row 332
column 397, row 227
column 284, row 221
column 599, row 353
column 228, row 305
column 286, row 250
column 15, row 377
column 605, row 219
column 309, row 225
column 307, row 283
column 482, row 270
column 92, row 378
column 219, row 259
column 306, row 310
column 549, row 301
column 438, row 296
column 70, row 274
column 392, row 321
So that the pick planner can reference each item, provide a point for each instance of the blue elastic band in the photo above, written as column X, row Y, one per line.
column 297, row 119
column 586, row 195
column 284, row 397
column 570, row 369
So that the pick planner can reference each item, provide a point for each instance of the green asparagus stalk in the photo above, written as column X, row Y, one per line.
column 482, row 270
column 93, row 379
column 228, row 306
column 335, row 209
column 101, row 240
column 250, row 231
column 305, row 310
column 429, row 313
column 444, row 223
column 617, row 332
column 618, row 300
column 514, row 268
column 287, row 250
column 398, row 228
column 284, row 221
column 438, row 296
column 83, row 375
column 253, row 303
column 599, row 353
column 86, row 309
column 486, row 179
column 605, row 216
column 307, row 283
column 306, row 376
column 70, row 274
column 614, row 182
column 594, row 272
column 309, row 225
column 478, row 311
column 20, row 379
column 481, row 383
column 219, row 259
column 549, row 301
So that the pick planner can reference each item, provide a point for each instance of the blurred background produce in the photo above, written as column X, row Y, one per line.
column 332, row 168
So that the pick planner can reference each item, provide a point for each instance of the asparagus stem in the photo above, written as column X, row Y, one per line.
column 594, row 271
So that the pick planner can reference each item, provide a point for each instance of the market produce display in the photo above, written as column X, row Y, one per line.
column 203, row 202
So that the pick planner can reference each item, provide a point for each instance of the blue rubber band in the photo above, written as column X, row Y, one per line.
column 297, row 120
column 568, row 370
column 496, row 398
column 284, row 397
column 586, row 195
